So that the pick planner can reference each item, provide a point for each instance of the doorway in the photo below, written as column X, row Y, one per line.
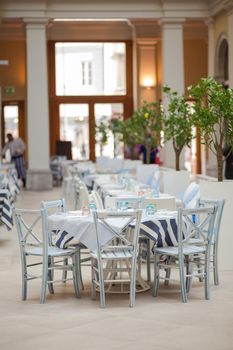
column 89, row 82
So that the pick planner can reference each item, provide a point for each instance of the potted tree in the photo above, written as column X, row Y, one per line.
column 177, row 123
column 213, row 115
column 144, row 127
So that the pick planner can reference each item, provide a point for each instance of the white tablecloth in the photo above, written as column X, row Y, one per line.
column 160, row 227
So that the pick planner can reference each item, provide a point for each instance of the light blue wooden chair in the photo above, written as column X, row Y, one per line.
column 183, row 256
column 115, row 262
column 35, row 241
column 219, row 204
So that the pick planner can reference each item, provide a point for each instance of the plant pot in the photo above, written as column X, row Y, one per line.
column 222, row 190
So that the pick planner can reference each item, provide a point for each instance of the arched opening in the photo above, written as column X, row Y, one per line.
column 222, row 74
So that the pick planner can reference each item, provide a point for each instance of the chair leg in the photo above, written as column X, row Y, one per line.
column 80, row 279
column 182, row 280
column 207, row 276
column 133, row 283
column 50, row 276
column 140, row 258
column 156, row 276
column 75, row 262
column 148, row 260
column 215, row 265
column 44, row 282
column 101, row 283
column 93, row 285
column 64, row 272
column 189, row 271
column 168, row 272
column 24, row 277
column 199, row 269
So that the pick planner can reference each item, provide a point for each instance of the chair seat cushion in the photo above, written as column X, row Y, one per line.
column 52, row 251
column 113, row 255
column 187, row 250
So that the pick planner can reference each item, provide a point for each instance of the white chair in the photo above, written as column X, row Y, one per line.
column 219, row 204
column 81, row 195
column 112, row 260
column 59, row 206
column 35, row 241
column 95, row 198
column 183, row 255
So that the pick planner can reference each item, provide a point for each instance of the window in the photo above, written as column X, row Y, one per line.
column 86, row 73
column 92, row 69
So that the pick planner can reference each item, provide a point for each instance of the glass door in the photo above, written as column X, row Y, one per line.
column 11, row 120
column 74, row 127
column 108, row 143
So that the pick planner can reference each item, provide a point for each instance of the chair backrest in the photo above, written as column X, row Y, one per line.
column 219, row 204
column 117, row 223
column 196, row 223
column 81, row 196
column 49, row 208
column 95, row 197
column 29, row 228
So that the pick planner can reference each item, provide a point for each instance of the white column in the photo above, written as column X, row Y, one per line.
column 173, row 73
column 211, row 48
column 230, row 47
column 39, row 176
column 0, row 120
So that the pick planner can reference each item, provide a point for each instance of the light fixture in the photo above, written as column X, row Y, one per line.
column 148, row 83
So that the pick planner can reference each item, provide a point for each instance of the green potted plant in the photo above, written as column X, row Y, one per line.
column 177, row 123
column 213, row 115
column 144, row 127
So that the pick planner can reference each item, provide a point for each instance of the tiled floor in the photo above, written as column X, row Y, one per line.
column 66, row 322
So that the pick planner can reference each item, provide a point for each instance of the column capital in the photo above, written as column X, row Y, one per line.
column 209, row 22
column 172, row 22
column 36, row 22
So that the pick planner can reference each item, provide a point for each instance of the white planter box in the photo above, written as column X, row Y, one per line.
column 222, row 190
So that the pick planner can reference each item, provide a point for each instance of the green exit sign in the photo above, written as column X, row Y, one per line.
column 9, row 90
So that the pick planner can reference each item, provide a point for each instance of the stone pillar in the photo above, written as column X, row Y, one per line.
column 38, row 176
column 173, row 73
column 208, row 165
column 230, row 47
column 211, row 48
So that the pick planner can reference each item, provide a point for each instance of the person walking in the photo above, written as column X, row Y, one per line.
column 16, row 148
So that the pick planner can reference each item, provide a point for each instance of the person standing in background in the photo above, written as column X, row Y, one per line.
column 16, row 148
column 228, row 154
